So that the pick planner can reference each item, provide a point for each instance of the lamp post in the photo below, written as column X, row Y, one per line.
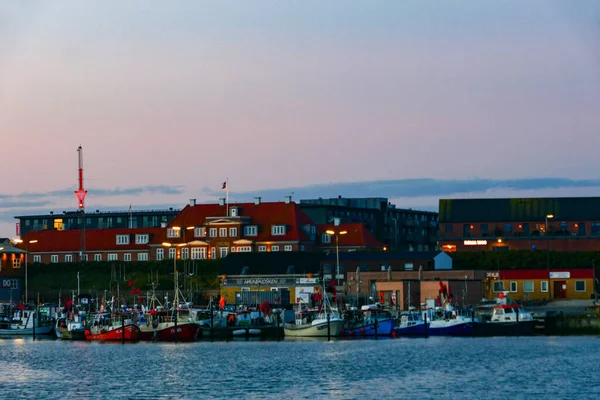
column 175, row 277
column 548, row 216
column 337, row 251
column 27, row 243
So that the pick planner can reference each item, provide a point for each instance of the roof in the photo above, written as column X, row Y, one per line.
column 271, row 263
column 383, row 255
column 109, row 213
column 7, row 247
column 264, row 215
column 356, row 235
column 583, row 273
column 519, row 209
column 95, row 239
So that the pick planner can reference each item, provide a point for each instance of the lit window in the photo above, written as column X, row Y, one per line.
column 122, row 239
column 17, row 262
column 407, row 267
column 232, row 232
column 200, row 232
column 141, row 239
column 173, row 233
column 198, row 253
column 222, row 232
column 213, row 232
column 278, row 230
column 244, row 249
column 223, row 252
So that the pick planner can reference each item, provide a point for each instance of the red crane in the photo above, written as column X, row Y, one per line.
column 80, row 194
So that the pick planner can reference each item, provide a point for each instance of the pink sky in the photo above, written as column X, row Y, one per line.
column 286, row 95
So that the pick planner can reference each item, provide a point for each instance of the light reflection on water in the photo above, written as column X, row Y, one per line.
column 490, row 368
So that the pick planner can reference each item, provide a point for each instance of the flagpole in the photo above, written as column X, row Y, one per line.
column 227, row 196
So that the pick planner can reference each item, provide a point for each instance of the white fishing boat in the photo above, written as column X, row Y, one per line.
column 326, row 322
column 22, row 322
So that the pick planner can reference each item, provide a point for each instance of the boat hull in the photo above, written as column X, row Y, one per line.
column 74, row 334
column 186, row 332
column 132, row 333
column 39, row 330
column 417, row 330
column 384, row 328
column 314, row 330
column 521, row 328
column 450, row 329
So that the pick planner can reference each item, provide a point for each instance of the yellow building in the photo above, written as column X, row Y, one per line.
column 277, row 289
column 542, row 284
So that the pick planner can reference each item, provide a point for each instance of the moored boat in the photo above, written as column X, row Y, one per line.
column 507, row 320
column 70, row 328
column 410, row 324
column 112, row 328
column 325, row 322
column 19, row 321
column 373, row 321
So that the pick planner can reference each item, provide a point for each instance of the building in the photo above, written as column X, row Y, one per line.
column 12, row 272
column 558, row 224
column 541, row 284
column 347, row 237
column 115, row 244
column 212, row 231
column 401, row 229
column 69, row 220
column 281, row 278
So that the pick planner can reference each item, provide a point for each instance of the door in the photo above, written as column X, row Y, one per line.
column 560, row 289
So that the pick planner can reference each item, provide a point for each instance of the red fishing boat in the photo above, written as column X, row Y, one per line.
column 112, row 328
column 157, row 325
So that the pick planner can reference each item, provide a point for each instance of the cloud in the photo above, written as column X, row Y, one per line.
column 422, row 187
column 99, row 192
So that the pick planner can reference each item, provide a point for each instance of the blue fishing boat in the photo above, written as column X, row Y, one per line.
column 371, row 321
column 410, row 324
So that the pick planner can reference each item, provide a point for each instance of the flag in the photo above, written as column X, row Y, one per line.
column 224, row 186
column 222, row 302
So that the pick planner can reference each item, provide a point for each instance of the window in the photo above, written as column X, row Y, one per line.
column 449, row 228
column 544, row 286
column 528, row 287
column 223, row 252
column 507, row 228
column 232, row 250
column 198, row 253
column 595, row 228
column 287, row 247
column 54, row 258
column 160, row 254
column 580, row 286
column 141, row 239
column 68, row 258
column 185, row 253
column 274, row 248
column 16, row 262
column 173, row 233
column 122, row 239
column 232, row 232
column 244, row 249
column 278, row 230
column 97, row 257
column 581, row 227
column 127, row 257
column 142, row 256
column 484, row 229
column 467, row 230
column 325, row 238
column 498, row 287
column 213, row 253
column 262, row 248
column 408, row 267
column 222, row 232
column 113, row 257
column 327, row 269
column 11, row 283
column 200, row 232
column 313, row 230
column 213, row 232
column 514, row 287
column 37, row 259
column 250, row 230
column 172, row 252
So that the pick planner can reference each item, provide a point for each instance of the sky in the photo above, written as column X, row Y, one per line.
column 410, row 100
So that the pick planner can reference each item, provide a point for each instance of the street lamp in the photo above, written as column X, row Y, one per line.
column 175, row 278
column 548, row 216
column 337, row 251
column 27, row 243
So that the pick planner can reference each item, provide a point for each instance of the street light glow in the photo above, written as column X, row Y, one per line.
column 549, row 216
column 343, row 232
column 330, row 232
column 33, row 241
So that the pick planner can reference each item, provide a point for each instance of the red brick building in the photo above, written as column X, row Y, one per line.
column 558, row 224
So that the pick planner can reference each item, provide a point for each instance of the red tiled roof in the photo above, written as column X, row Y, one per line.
column 95, row 239
column 264, row 215
column 357, row 236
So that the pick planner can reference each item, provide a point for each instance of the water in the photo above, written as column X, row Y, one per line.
column 440, row 368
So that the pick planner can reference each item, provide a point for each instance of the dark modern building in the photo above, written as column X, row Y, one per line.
column 559, row 224
column 97, row 219
column 402, row 229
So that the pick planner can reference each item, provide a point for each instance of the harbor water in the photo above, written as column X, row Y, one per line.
column 442, row 368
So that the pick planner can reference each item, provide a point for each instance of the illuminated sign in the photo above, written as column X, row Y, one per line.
column 559, row 275
column 475, row 242
column 492, row 274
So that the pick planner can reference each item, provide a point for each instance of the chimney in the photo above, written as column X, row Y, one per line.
column 257, row 200
column 222, row 201
column 288, row 199
column 192, row 202
column 163, row 224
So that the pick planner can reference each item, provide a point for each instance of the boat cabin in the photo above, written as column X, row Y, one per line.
column 509, row 313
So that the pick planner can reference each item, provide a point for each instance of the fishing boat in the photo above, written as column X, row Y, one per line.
column 70, row 327
column 372, row 321
column 507, row 320
column 20, row 321
column 325, row 322
column 410, row 324
column 107, row 327
column 450, row 322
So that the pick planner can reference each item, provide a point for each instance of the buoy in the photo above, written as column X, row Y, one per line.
column 362, row 330
column 393, row 334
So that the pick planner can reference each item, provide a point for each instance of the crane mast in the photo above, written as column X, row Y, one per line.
column 80, row 194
